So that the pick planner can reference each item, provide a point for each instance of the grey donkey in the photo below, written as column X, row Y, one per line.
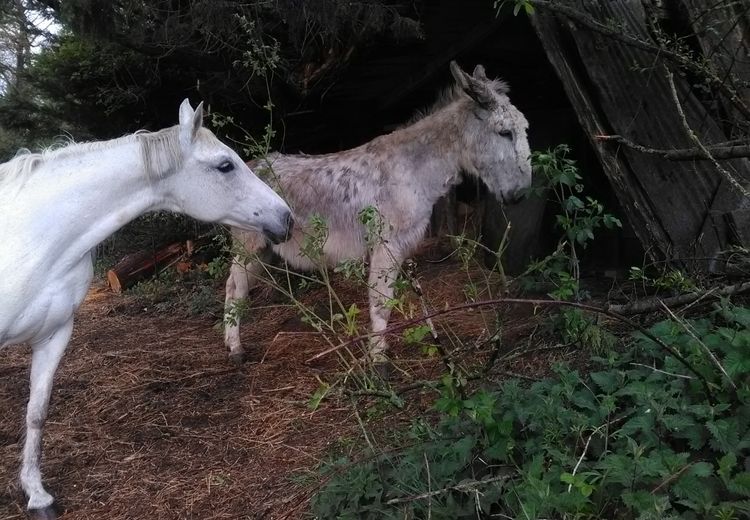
column 473, row 129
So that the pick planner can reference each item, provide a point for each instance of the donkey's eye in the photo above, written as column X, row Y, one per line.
column 225, row 167
column 505, row 133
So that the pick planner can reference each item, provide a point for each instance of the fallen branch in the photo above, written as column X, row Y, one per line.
column 653, row 304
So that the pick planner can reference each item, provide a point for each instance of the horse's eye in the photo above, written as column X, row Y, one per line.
column 225, row 167
column 506, row 133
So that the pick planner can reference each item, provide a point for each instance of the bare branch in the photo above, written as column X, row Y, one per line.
column 718, row 152
column 727, row 175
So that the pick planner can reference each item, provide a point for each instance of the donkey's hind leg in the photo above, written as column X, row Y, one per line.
column 45, row 357
column 243, row 276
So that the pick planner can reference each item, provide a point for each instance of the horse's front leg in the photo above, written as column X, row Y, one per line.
column 384, row 265
column 46, row 355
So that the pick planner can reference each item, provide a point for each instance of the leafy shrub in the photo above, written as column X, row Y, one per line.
column 636, row 438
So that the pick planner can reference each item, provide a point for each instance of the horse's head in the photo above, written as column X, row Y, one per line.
column 496, row 146
column 213, row 184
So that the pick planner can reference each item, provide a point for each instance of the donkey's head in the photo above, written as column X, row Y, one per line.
column 213, row 184
column 496, row 148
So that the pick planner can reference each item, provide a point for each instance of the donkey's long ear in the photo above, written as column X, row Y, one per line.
column 190, row 122
column 477, row 89
column 479, row 73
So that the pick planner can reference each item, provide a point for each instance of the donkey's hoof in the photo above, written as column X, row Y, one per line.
column 382, row 366
column 237, row 358
column 383, row 369
column 44, row 513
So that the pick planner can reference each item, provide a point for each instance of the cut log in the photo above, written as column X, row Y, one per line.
column 137, row 266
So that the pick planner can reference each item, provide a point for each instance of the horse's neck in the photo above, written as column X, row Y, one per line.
column 85, row 197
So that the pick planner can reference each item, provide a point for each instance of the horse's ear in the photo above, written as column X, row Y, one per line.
column 190, row 122
column 478, row 90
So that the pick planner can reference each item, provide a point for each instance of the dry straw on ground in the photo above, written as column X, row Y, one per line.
column 149, row 420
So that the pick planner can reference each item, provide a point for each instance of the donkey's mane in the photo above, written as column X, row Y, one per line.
column 159, row 151
column 452, row 94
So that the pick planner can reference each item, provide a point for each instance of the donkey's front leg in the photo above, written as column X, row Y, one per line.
column 384, row 265
column 45, row 357
column 237, row 288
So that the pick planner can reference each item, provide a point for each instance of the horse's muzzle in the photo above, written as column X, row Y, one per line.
column 277, row 237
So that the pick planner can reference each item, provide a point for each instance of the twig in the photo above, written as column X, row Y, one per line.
column 588, row 441
column 682, row 376
column 580, row 459
column 689, row 330
column 517, row 353
column 464, row 486
column 429, row 485
column 672, row 478
column 362, row 425
column 517, row 375
column 417, row 385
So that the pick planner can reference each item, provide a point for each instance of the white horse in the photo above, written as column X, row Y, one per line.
column 57, row 205
column 475, row 129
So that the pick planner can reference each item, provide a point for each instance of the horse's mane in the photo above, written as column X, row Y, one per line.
column 159, row 151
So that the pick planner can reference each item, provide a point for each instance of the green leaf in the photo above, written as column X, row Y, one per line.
column 318, row 396
column 608, row 381
column 416, row 334
column 726, row 464
column 740, row 484
column 725, row 434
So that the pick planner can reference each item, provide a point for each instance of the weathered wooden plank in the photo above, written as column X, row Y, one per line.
column 619, row 89
column 739, row 225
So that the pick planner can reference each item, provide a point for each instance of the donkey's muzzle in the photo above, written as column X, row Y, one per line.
column 513, row 197
column 284, row 234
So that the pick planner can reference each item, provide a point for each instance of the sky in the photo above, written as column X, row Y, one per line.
column 8, row 38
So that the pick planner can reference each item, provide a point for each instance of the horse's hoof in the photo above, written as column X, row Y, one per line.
column 44, row 513
column 237, row 358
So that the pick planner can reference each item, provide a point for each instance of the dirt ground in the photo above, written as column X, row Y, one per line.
column 149, row 420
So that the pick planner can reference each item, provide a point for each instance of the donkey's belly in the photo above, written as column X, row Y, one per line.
column 338, row 247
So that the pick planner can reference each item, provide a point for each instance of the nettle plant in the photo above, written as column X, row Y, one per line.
column 638, row 437
column 579, row 218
